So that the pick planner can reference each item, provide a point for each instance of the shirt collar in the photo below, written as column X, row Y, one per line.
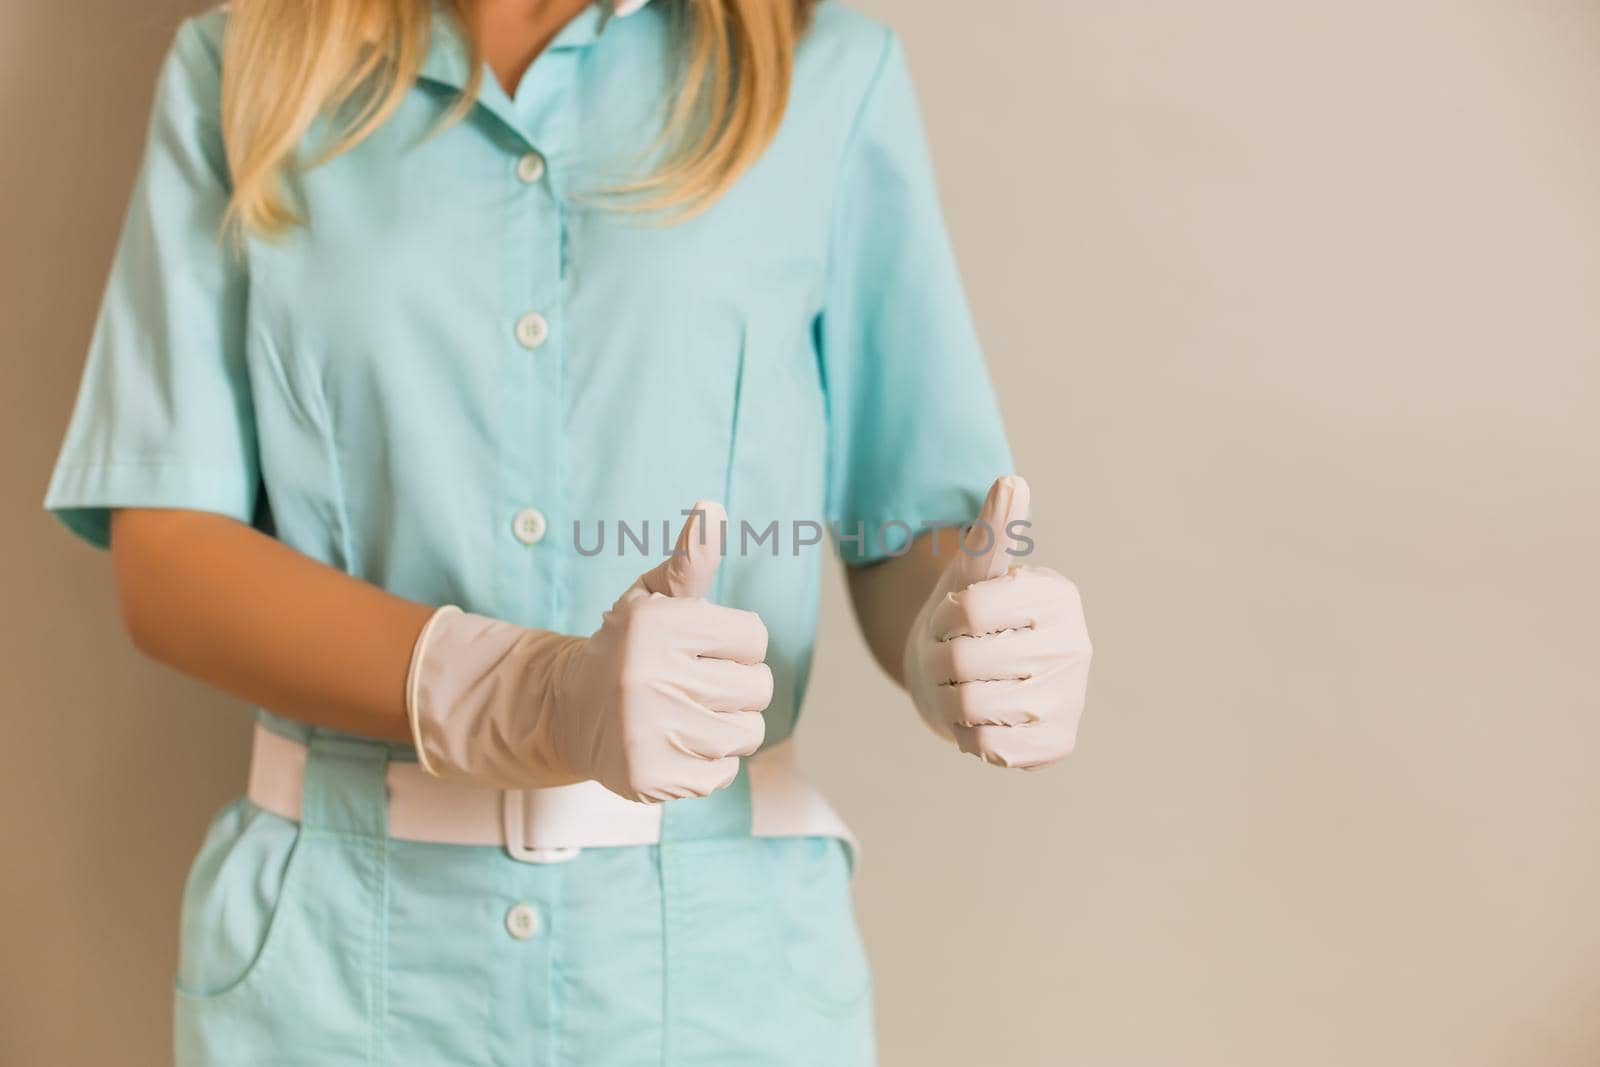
column 447, row 58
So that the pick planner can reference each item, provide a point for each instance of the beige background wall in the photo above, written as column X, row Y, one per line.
column 1295, row 313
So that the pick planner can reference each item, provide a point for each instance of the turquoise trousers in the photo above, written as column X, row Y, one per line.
column 327, row 942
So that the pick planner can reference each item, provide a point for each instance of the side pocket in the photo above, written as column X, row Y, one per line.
column 813, row 920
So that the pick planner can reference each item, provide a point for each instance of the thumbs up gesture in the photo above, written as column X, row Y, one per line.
column 668, row 693
column 998, row 657
column 658, row 703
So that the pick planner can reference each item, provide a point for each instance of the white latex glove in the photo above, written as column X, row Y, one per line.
column 998, row 658
column 659, row 703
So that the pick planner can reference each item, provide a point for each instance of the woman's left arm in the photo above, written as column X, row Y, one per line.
column 994, row 656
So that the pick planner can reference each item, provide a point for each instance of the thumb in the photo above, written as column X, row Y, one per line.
column 983, row 549
column 692, row 567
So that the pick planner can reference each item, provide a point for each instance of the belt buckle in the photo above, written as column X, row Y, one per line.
column 515, row 819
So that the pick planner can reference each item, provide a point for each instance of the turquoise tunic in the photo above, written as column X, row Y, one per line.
column 469, row 379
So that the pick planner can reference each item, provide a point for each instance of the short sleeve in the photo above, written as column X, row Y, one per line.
column 915, row 435
column 163, row 416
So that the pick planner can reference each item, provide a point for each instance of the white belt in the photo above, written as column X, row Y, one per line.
column 542, row 825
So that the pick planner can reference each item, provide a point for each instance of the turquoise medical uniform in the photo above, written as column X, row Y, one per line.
column 458, row 381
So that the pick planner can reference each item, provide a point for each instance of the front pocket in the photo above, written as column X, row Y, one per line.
column 232, row 899
column 281, row 953
column 813, row 920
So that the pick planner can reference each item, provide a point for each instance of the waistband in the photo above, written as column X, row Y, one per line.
column 770, row 798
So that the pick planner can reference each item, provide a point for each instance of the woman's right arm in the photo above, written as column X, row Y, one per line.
column 222, row 602
column 656, row 705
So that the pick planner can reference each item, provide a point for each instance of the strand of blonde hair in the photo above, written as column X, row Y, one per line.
column 287, row 65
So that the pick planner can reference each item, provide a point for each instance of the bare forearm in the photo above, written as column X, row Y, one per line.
column 224, row 603
column 887, row 595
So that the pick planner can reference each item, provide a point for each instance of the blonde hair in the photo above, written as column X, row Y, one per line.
column 285, row 65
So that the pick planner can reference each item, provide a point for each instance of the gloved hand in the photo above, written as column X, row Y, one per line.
column 658, row 703
column 998, row 657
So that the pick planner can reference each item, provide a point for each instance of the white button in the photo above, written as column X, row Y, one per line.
column 529, row 526
column 532, row 330
column 530, row 168
column 522, row 921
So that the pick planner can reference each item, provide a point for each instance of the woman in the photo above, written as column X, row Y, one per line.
column 426, row 319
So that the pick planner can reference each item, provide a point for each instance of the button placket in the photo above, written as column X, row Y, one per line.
column 532, row 489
